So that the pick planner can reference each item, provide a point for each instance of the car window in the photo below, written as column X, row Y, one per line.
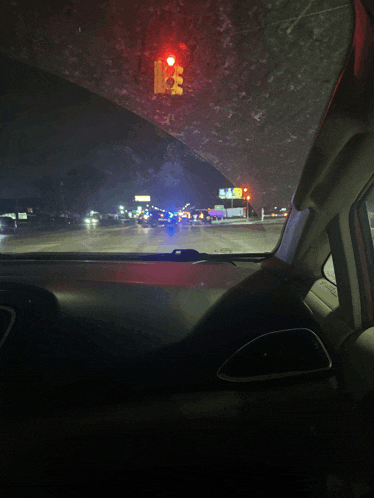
column 369, row 205
column 94, row 137
column 328, row 268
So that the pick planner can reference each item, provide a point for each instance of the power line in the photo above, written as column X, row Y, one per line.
column 303, row 14
column 298, row 17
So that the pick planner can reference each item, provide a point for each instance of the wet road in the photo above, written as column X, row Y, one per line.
column 213, row 239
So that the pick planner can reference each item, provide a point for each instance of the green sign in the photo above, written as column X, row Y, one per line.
column 219, row 207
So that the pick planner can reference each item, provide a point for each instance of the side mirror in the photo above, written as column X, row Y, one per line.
column 284, row 353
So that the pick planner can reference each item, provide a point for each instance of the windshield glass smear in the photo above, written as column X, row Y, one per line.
column 127, row 129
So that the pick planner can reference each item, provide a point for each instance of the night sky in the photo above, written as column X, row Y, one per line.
column 55, row 131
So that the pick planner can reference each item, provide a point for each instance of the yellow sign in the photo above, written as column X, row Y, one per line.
column 237, row 192
column 142, row 198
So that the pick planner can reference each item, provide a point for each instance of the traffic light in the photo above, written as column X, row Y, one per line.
column 246, row 195
column 170, row 73
column 167, row 76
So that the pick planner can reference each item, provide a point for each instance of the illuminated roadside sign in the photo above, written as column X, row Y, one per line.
column 10, row 215
column 230, row 193
column 142, row 198
column 219, row 207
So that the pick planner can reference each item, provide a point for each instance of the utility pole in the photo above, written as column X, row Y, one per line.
column 246, row 197
column 62, row 196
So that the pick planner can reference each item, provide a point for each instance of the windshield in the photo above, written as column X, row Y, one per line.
column 160, row 125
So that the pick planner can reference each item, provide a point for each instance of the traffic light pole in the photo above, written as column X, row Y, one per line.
column 247, row 210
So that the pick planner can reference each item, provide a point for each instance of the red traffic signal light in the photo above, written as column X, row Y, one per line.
column 168, row 71
column 245, row 195
column 170, row 80
column 170, row 61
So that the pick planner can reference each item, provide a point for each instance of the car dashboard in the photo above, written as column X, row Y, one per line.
column 87, row 345
column 102, row 314
column 85, row 314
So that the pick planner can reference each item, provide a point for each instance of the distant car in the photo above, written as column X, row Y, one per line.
column 149, row 218
column 89, row 221
column 201, row 216
column 276, row 212
column 174, row 220
column 184, row 218
column 7, row 224
column 156, row 218
column 145, row 219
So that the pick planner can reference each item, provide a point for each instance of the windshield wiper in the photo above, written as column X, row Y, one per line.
column 191, row 255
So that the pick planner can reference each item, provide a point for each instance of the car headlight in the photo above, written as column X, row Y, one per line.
column 87, row 220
